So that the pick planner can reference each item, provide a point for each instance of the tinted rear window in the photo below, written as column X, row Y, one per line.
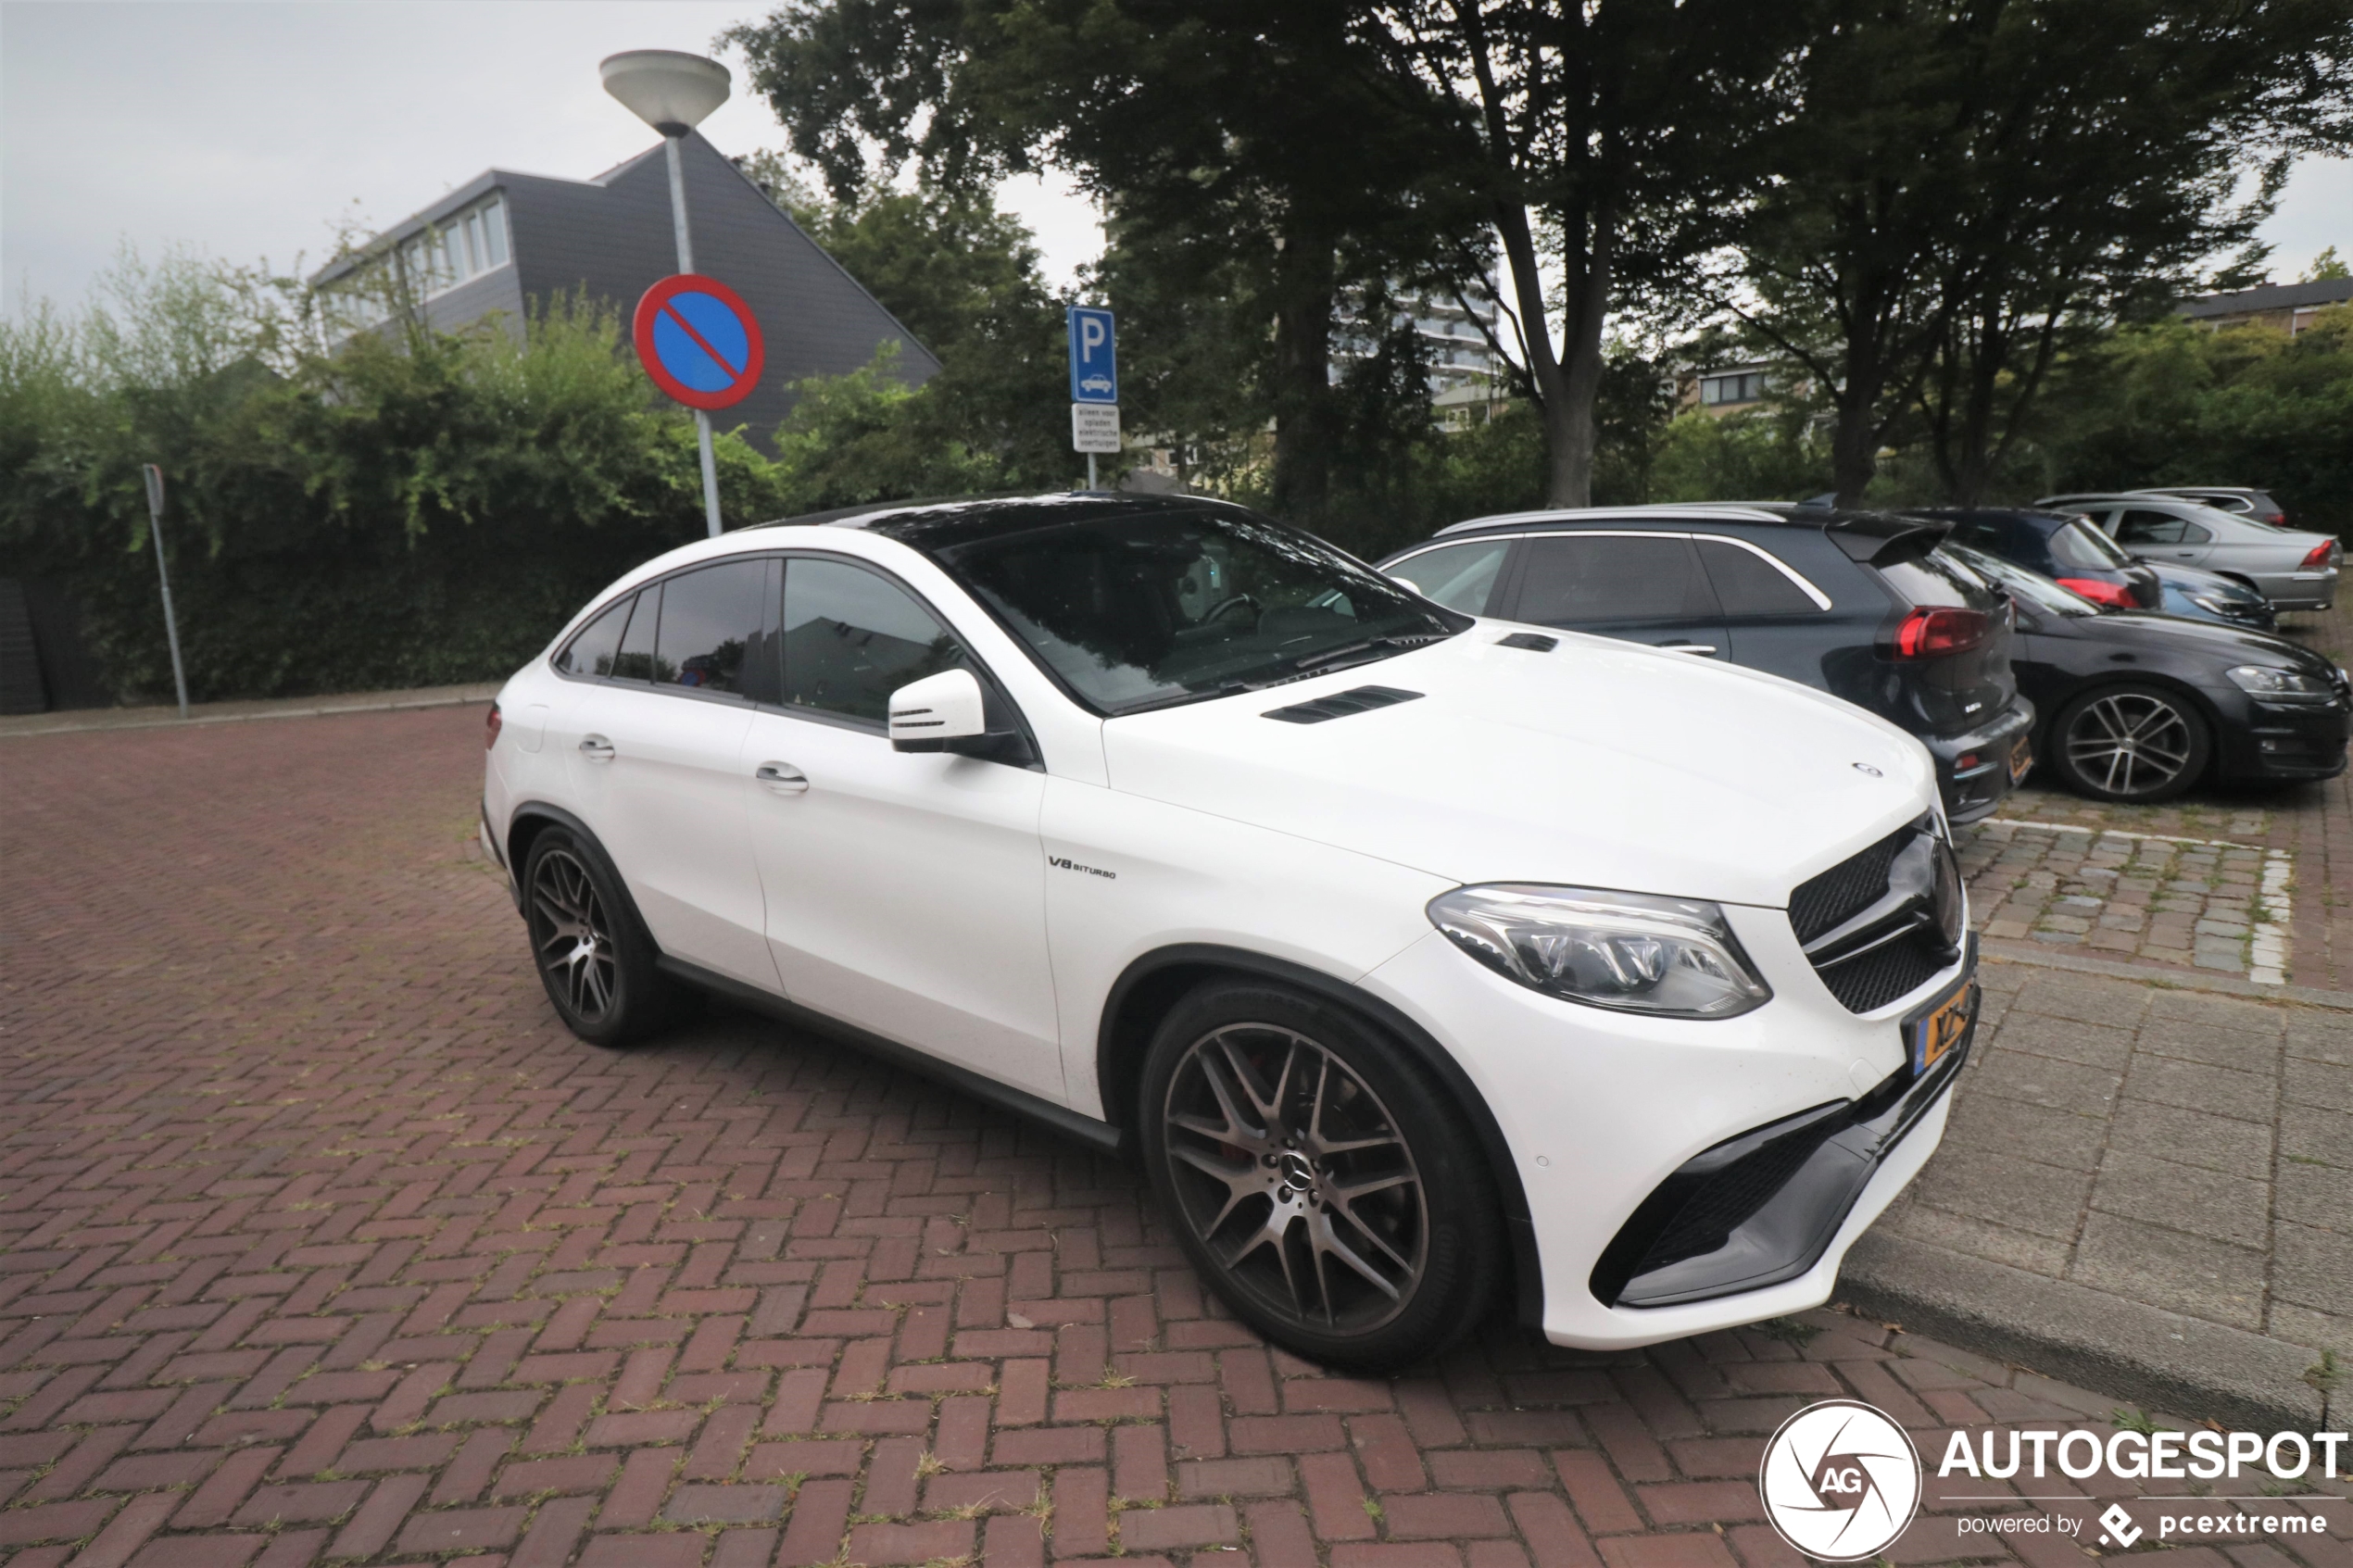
column 1937, row 579
column 2078, row 543
column 592, row 651
column 1746, row 583
column 1593, row 579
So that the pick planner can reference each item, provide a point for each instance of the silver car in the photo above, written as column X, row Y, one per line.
column 2293, row 569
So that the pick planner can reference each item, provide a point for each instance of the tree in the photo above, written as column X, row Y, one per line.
column 1964, row 189
column 1257, row 144
column 963, row 277
column 1601, row 141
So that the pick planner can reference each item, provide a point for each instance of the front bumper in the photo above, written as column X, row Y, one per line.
column 1600, row 1109
column 1760, row 1209
column 1976, row 770
column 2263, row 740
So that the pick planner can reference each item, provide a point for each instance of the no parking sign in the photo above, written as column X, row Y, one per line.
column 699, row 341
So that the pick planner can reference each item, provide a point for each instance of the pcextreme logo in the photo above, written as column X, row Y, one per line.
column 1839, row 1481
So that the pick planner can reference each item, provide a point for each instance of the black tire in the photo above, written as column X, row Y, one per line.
column 1275, row 1201
column 2130, row 742
column 594, row 956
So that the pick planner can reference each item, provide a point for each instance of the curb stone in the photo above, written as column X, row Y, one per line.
column 2161, row 1359
column 71, row 720
column 2170, row 979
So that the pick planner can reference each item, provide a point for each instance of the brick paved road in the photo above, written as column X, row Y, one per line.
column 320, row 1241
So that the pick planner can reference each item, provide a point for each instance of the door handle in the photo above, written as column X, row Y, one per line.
column 782, row 778
column 596, row 749
column 1701, row 650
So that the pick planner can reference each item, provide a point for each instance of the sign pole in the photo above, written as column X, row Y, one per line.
column 671, row 148
column 153, row 476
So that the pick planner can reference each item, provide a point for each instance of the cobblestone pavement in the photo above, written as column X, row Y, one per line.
column 2251, row 882
column 2189, row 1151
column 321, row 1242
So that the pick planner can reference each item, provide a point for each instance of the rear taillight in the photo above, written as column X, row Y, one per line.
column 2323, row 556
column 2115, row 596
column 1931, row 634
column 2277, row 519
column 491, row 728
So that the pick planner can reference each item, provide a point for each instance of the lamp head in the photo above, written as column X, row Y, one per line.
column 670, row 91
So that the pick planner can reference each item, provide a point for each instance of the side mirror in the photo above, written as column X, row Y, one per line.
column 1406, row 582
column 930, row 714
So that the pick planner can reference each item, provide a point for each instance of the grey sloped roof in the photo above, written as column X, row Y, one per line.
column 609, row 238
column 2272, row 296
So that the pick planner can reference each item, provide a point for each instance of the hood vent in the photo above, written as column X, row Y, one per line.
column 1533, row 642
column 1339, row 705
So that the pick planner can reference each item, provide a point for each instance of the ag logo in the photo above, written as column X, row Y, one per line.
column 1839, row 1481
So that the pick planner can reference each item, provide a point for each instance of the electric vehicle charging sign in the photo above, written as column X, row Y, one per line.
column 1094, row 355
column 699, row 341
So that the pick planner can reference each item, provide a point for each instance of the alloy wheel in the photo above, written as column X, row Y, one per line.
column 573, row 936
column 2130, row 743
column 1293, row 1176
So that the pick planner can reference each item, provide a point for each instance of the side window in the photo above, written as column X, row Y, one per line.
column 635, row 660
column 593, row 648
column 1461, row 577
column 851, row 638
column 1746, row 583
column 2139, row 527
column 715, row 630
column 1593, row 579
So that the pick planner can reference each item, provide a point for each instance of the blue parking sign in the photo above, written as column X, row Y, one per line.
column 1094, row 366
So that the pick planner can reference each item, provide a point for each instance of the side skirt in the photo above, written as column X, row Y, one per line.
column 1101, row 1137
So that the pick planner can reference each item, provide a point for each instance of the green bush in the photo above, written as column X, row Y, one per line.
column 2171, row 402
column 410, row 509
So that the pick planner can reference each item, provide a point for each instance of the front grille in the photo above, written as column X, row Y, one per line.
column 1825, row 902
column 1879, row 974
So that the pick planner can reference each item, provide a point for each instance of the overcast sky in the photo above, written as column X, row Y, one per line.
column 244, row 129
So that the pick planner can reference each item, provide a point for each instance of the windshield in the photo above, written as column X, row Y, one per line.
column 1145, row 611
column 2030, row 586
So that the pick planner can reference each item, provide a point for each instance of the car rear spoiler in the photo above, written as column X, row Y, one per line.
column 1882, row 539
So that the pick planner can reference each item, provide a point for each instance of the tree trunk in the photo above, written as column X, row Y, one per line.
column 1304, row 290
column 1569, row 439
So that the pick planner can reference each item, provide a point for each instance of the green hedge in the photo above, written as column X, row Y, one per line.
column 419, row 510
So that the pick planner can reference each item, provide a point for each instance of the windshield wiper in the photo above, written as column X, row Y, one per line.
column 1178, row 699
column 1368, row 645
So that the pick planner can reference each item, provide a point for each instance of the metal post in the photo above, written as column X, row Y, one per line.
column 671, row 148
column 1091, row 471
column 154, row 477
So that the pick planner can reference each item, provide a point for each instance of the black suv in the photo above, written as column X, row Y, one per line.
column 1857, row 604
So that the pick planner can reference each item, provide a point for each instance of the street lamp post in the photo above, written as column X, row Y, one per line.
column 673, row 93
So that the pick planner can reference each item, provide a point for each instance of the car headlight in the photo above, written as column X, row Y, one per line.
column 2280, row 685
column 1672, row 958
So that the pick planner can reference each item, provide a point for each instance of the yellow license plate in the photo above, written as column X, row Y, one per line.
column 2021, row 758
column 1947, row 1026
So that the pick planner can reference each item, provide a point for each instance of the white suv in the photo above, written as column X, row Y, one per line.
column 1411, row 951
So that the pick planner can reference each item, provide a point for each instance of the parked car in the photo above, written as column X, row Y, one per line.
column 2295, row 570
column 1412, row 950
column 2209, row 596
column 2139, row 707
column 2061, row 546
column 2257, row 504
column 1855, row 604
